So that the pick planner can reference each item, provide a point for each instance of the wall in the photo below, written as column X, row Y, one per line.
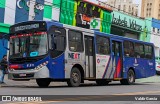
column 155, row 36
column 3, row 50
column 4, row 28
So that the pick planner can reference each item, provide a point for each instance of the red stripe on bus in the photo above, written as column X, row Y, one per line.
column 118, row 69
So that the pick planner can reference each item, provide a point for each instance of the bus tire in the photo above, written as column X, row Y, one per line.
column 75, row 78
column 102, row 82
column 43, row 82
column 130, row 78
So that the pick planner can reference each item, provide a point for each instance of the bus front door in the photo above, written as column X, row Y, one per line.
column 117, row 59
column 90, row 71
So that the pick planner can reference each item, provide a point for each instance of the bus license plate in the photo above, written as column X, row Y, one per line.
column 22, row 75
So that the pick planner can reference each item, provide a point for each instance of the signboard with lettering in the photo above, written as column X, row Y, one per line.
column 73, row 55
column 130, row 23
column 126, row 21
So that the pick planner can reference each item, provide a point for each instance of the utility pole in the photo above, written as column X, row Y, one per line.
column 32, row 4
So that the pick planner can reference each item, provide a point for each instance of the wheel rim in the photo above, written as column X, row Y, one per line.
column 131, row 77
column 75, row 77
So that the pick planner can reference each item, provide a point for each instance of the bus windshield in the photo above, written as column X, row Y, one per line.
column 28, row 45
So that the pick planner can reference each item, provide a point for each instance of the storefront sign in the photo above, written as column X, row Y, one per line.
column 123, row 22
column 95, row 23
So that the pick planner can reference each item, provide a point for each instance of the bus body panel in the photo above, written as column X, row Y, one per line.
column 39, row 69
column 76, row 58
column 57, row 67
column 103, row 66
column 72, row 59
column 151, row 68
column 145, row 67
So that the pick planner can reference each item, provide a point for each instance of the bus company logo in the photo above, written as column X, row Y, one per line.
column 135, row 61
column 74, row 55
column 98, row 61
column 150, row 64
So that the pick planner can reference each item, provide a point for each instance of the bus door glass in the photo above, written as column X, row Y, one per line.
column 89, row 56
column 116, row 59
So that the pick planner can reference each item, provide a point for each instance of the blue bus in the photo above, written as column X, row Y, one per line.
column 50, row 51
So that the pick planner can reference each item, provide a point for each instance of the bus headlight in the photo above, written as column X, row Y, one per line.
column 41, row 65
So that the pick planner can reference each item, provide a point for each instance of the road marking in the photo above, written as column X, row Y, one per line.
column 138, row 93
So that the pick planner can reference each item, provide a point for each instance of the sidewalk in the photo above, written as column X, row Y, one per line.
column 13, row 83
column 153, row 79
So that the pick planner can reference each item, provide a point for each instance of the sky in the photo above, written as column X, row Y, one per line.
column 134, row 1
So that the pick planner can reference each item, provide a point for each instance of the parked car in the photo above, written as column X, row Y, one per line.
column 157, row 68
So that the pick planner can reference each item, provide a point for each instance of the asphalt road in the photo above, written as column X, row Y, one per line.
column 114, row 91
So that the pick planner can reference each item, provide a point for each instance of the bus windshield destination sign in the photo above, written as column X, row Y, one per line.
column 26, row 27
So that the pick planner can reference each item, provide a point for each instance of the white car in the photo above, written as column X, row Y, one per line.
column 157, row 68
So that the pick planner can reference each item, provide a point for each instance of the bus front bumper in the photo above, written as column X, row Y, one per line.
column 29, row 73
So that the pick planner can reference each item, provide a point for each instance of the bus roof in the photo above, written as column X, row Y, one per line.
column 49, row 23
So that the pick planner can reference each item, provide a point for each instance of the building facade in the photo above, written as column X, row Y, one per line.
column 4, row 29
column 122, row 5
column 155, row 36
column 150, row 8
column 81, row 13
column 130, row 26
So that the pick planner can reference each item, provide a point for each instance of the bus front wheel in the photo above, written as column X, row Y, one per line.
column 75, row 78
column 44, row 82
column 130, row 78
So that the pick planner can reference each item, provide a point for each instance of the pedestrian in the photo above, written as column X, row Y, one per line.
column 3, row 68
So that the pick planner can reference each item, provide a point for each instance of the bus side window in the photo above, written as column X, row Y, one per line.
column 148, row 51
column 142, row 54
column 131, row 47
column 103, row 45
column 75, row 39
column 137, row 50
column 57, row 40
column 128, row 49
